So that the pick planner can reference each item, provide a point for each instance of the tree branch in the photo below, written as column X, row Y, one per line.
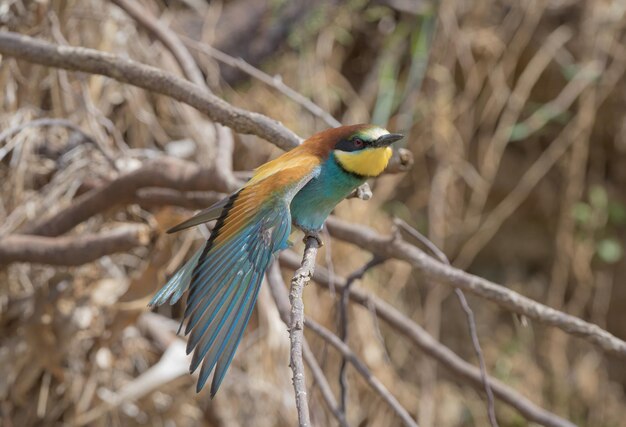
column 165, row 172
column 391, row 247
column 168, row 37
column 296, row 328
column 277, row 289
column 149, row 78
column 72, row 250
column 362, row 369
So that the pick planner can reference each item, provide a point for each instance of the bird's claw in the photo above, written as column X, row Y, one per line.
column 314, row 235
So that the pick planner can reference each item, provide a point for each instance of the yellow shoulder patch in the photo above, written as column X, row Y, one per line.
column 368, row 162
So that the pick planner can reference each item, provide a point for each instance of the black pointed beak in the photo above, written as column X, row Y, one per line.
column 388, row 139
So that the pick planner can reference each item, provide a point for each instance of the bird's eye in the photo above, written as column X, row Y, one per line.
column 358, row 143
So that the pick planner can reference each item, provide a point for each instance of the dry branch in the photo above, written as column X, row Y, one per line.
column 392, row 247
column 166, row 36
column 362, row 369
column 149, row 78
column 72, row 250
column 277, row 289
column 166, row 172
column 185, row 176
column 296, row 328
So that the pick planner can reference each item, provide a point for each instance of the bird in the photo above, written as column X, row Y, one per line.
column 300, row 188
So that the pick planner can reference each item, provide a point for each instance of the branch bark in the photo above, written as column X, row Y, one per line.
column 72, row 250
column 296, row 328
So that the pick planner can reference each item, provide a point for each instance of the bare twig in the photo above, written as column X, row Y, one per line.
column 72, row 250
column 471, row 321
column 431, row 347
column 388, row 247
column 273, row 81
column 362, row 369
column 296, row 328
column 168, row 37
column 343, row 324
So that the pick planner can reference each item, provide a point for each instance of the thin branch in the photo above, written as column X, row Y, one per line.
column 362, row 369
column 273, row 81
column 391, row 247
column 149, row 78
column 165, row 172
column 471, row 321
column 343, row 324
column 277, row 289
column 72, row 250
column 322, row 382
column 431, row 347
column 296, row 328
column 166, row 36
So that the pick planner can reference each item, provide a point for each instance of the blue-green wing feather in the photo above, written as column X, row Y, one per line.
column 224, row 277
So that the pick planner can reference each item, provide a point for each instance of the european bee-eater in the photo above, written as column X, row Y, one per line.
column 301, row 187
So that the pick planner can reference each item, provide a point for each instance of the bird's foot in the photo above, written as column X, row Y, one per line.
column 315, row 235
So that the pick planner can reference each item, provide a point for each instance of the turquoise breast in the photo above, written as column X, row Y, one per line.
column 316, row 200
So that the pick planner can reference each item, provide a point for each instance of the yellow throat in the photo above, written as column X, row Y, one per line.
column 368, row 162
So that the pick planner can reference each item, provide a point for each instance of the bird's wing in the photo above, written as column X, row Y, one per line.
column 291, row 159
column 225, row 275
column 205, row 215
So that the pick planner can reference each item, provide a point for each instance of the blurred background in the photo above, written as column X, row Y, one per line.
column 514, row 112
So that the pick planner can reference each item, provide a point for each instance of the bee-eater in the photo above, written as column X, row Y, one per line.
column 301, row 187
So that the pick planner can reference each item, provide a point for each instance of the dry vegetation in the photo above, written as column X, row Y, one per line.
column 514, row 115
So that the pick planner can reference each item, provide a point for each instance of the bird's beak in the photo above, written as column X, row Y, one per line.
column 388, row 139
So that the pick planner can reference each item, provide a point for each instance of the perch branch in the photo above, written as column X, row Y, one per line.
column 184, row 176
column 277, row 289
column 296, row 328
column 72, row 250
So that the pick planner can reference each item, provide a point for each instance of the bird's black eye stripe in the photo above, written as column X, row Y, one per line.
column 351, row 144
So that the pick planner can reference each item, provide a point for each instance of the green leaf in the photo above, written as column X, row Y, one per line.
column 581, row 213
column 610, row 250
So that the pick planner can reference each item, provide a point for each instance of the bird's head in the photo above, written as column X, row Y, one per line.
column 364, row 149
